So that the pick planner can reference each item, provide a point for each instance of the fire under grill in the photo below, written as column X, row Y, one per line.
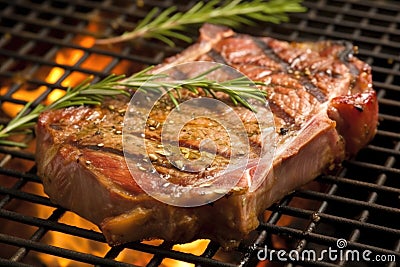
column 47, row 45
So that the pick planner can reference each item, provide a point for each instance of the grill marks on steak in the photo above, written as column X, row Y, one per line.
column 300, row 75
column 323, row 107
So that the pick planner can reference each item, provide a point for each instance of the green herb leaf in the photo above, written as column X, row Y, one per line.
column 170, row 23
column 240, row 90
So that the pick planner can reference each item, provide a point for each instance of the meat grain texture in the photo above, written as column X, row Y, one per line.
column 324, row 107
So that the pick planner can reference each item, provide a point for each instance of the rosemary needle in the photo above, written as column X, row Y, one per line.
column 171, row 24
column 83, row 94
column 239, row 90
column 164, row 26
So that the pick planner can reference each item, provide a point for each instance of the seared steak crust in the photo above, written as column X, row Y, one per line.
column 324, row 110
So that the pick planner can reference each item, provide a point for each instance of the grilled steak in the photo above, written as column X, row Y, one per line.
column 324, row 110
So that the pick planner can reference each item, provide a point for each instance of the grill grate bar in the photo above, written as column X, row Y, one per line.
column 372, row 6
column 56, row 251
column 7, row 198
column 113, row 64
column 17, row 153
column 67, row 10
column 363, row 218
column 53, row 225
column 103, row 6
column 112, row 253
column 50, row 54
column 392, row 71
column 336, row 220
column 37, row 236
column 177, row 255
column 41, row 61
column 397, row 249
column 45, row 24
column 387, row 86
column 385, row 150
column 8, row 263
column 388, row 134
column 335, row 35
column 312, row 225
column 360, row 16
column 324, row 239
column 210, row 251
column 26, row 176
column 157, row 259
column 359, row 184
column 389, row 102
column 62, row 43
column 344, row 200
column 374, row 26
column 26, row 196
column 373, row 166
column 261, row 239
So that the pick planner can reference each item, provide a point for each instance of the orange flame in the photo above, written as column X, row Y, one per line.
column 67, row 57
column 97, row 63
column 94, row 62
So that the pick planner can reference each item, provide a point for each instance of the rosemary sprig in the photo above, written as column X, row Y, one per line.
column 171, row 24
column 83, row 94
column 240, row 90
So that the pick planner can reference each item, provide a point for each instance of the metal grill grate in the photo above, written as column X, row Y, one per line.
column 360, row 204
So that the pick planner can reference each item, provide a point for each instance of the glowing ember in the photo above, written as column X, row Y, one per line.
column 93, row 63
column 67, row 57
column 196, row 247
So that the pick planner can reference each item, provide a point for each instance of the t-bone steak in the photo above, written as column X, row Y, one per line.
column 325, row 111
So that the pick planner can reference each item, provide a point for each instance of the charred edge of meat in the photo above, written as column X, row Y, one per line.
column 346, row 55
column 283, row 131
column 305, row 81
column 99, row 147
column 314, row 90
column 358, row 107
column 281, row 113
column 269, row 52
column 125, row 213
column 217, row 57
